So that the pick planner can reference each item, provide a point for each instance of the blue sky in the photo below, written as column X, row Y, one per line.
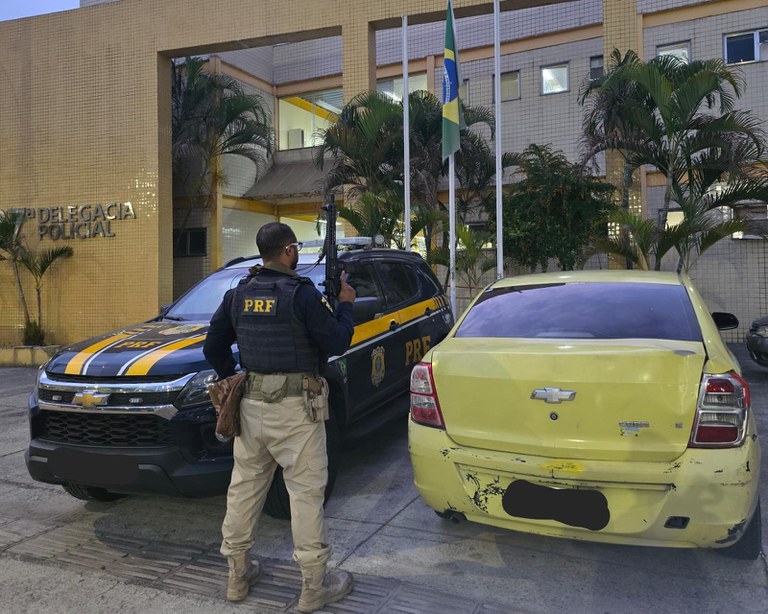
column 13, row 9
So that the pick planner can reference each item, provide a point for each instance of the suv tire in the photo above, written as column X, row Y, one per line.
column 278, row 503
column 90, row 493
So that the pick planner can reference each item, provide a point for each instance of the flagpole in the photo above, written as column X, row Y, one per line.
column 406, row 139
column 452, row 230
column 452, row 124
column 497, row 137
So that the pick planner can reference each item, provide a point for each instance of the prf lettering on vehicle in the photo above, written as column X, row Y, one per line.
column 260, row 306
column 415, row 349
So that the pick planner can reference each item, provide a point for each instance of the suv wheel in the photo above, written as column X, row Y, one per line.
column 90, row 493
column 278, row 504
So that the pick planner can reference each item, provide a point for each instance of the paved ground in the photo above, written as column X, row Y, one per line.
column 159, row 554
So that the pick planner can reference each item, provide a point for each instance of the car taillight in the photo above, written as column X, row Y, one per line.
column 721, row 412
column 425, row 408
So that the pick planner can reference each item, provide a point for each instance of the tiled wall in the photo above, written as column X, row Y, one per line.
column 86, row 120
column 535, row 118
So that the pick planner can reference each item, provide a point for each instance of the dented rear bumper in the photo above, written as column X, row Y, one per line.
column 702, row 499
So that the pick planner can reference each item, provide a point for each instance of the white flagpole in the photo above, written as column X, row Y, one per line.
column 452, row 230
column 406, row 139
column 497, row 111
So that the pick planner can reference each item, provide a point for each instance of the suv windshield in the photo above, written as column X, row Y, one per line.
column 584, row 310
column 203, row 299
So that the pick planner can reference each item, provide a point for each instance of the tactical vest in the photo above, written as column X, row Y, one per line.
column 270, row 337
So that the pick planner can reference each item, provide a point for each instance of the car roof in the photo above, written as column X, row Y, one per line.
column 244, row 262
column 600, row 275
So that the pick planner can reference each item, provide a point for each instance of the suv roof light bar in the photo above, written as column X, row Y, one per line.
column 340, row 242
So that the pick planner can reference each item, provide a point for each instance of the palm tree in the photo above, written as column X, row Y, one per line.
column 366, row 148
column 377, row 214
column 212, row 116
column 364, row 145
column 38, row 265
column 472, row 257
column 607, row 121
column 381, row 213
column 12, row 249
column 688, row 120
column 679, row 118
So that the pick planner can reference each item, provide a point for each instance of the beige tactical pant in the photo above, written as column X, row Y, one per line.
column 275, row 434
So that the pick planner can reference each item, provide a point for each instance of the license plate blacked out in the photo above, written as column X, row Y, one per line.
column 577, row 508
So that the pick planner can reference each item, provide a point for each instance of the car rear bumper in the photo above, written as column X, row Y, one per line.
column 702, row 499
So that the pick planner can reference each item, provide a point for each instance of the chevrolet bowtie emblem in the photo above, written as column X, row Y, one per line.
column 553, row 395
column 90, row 398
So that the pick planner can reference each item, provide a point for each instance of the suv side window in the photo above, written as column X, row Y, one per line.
column 429, row 285
column 364, row 281
column 370, row 297
column 399, row 281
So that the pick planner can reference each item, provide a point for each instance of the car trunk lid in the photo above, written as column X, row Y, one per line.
column 572, row 399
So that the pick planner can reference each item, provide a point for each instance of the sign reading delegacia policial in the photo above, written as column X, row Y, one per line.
column 78, row 221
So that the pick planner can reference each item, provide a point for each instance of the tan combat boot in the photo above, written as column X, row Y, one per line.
column 319, row 587
column 243, row 573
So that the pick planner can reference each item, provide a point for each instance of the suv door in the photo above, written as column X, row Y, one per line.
column 402, row 292
column 366, row 364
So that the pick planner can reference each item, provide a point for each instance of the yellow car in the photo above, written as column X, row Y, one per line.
column 593, row 405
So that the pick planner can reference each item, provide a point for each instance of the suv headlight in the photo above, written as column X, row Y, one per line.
column 762, row 330
column 36, row 391
column 196, row 391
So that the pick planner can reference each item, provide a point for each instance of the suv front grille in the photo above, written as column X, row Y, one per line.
column 111, row 430
column 115, row 399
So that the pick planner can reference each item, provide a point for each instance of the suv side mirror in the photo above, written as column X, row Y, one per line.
column 165, row 308
column 365, row 309
column 725, row 321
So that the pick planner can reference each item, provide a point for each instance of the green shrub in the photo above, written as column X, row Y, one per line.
column 34, row 334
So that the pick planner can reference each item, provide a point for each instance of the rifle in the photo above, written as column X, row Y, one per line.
column 332, row 269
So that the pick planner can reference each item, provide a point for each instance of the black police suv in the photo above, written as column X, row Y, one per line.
column 129, row 412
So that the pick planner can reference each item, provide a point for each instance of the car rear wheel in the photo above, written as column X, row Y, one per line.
column 90, row 493
column 750, row 545
column 278, row 504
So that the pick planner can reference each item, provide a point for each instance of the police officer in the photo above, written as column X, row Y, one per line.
column 285, row 330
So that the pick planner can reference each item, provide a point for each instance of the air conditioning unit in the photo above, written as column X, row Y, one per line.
column 295, row 138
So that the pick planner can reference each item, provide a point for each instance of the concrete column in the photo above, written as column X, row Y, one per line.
column 358, row 43
column 622, row 30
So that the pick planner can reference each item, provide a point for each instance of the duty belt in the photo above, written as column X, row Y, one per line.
column 295, row 382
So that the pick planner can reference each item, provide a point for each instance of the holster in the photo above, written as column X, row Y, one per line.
column 316, row 393
column 226, row 395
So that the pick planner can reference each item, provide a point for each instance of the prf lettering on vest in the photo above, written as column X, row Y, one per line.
column 415, row 349
column 260, row 306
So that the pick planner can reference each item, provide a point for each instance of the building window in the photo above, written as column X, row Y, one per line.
column 746, row 47
column 596, row 69
column 394, row 87
column 754, row 215
column 510, row 86
column 193, row 242
column 681, row 50
column 302, row 116
column 554, row 79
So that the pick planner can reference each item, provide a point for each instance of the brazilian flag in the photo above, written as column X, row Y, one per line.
column 452, row 119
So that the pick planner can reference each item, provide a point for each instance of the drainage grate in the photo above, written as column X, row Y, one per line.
column 201, row 569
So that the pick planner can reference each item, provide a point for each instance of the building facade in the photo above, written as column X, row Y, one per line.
column 86, row 123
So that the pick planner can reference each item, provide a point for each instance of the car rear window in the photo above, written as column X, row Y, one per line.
column 594, row 310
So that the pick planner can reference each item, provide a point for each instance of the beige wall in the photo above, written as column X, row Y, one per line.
column 84, row 119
